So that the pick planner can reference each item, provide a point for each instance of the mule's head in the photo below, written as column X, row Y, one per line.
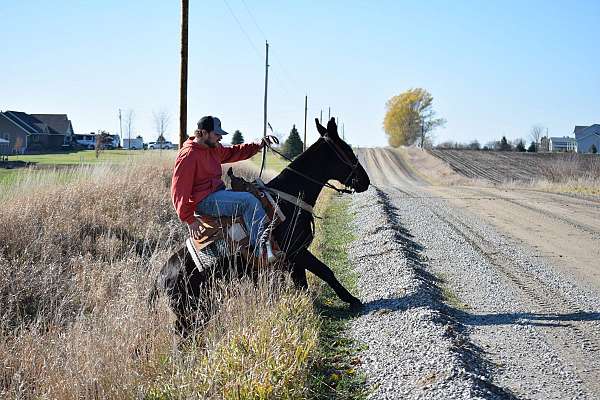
column 345, row 169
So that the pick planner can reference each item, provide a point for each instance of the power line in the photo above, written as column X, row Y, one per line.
column 273, row 55
column 243, row 30
column 254, row 20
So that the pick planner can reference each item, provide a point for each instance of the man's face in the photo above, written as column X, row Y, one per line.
column 212, row 139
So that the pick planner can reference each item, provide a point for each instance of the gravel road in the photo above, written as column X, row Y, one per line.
column 458, row 309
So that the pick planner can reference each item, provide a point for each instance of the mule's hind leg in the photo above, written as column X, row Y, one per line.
column 307, row 260
column 187, row 289
column 299, row 277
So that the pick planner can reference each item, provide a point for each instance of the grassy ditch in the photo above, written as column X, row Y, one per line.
column 77, row 260
column 78, row 255
column 334, row 371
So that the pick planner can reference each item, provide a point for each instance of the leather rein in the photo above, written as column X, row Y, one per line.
column 341, row 156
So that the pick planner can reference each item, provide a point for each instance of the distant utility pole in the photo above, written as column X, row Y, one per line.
column 321, row 117
column 183, row 73
column 305, row 112
column 121, row 127
column 329, row 117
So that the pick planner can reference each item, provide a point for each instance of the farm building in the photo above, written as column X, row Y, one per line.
column 562, row 144
column 34, row 132
column 588, row 138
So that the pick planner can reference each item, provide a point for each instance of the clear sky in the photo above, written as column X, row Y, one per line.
column 493, row 67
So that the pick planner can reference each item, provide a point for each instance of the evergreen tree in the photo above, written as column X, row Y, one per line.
column 504, row 145
column 520, row 146
column 237, row 138
column 293, row 145
column 593, row 149
column 532, row 148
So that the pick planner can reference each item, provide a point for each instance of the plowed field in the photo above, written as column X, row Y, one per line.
column 511, row 166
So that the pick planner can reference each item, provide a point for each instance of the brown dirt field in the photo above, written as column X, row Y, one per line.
column 498, row 167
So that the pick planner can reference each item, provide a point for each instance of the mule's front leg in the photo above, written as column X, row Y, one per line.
column 307, row 260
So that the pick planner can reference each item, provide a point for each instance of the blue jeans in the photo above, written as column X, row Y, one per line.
column 229, row 203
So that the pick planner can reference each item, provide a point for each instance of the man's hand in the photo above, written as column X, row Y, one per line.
column 195, row 231
column 268, row 140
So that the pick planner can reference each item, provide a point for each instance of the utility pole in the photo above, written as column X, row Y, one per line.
column 264, row 154
column 329, row 117
column 343, row 132
column 305, row 112
column 121, row 129
column 183, row 73
column 321, row 117
column 266, row 86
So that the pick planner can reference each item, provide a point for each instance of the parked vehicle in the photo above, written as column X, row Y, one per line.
column 166, row 145
column 133, row 144
column 87, row 141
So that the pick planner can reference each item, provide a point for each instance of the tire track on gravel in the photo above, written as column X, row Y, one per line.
column 583, row 350
column 577, row 341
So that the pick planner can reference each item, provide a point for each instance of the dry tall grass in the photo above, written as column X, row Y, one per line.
column 76, row 264
column 572, row 173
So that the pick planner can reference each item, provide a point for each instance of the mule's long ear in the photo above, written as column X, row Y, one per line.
column 332, row 128
column 320, row 128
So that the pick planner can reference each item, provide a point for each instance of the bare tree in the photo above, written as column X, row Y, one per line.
column 128, row 121
column 161, row 123
column 536, row 133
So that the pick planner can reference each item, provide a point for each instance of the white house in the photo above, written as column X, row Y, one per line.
column 588, row 138
column 562, row 144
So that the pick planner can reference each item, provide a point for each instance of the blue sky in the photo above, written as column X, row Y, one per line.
column 494, row 68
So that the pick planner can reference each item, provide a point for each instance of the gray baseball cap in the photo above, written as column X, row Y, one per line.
column 211, row 124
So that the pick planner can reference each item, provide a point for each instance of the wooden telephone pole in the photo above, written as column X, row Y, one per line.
column 266, row 86
column 264, row 154
column 183, row 73
column 305, row 112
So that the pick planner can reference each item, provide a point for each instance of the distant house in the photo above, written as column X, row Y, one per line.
column 588, row 138
column 34, row 132
column 562, row 144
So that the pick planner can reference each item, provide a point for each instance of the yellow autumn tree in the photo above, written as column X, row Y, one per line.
column 410, row 118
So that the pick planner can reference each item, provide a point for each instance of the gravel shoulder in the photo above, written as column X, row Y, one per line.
column 457, row 307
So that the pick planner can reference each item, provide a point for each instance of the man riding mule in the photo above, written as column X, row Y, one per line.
column 197, row 186
column 297, row 188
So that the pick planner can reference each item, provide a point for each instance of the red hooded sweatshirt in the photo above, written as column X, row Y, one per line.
column 197, row 173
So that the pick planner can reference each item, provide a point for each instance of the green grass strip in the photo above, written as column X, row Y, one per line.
column 335, row 375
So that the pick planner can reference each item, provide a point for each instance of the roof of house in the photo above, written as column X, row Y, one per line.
column 590, row 130
column 579, row 128
column 562, row 140
column 59, row 122
column 29, row 123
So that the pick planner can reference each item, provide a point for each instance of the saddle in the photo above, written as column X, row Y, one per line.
column 232, row 230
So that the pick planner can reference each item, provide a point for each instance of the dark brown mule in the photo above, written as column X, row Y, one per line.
column 329, row 158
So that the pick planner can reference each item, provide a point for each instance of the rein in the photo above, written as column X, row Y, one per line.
column 340, row 155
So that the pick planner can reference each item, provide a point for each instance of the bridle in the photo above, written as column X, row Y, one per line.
column 341, row 156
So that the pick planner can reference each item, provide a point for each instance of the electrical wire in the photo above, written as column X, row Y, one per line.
column 243, row 30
